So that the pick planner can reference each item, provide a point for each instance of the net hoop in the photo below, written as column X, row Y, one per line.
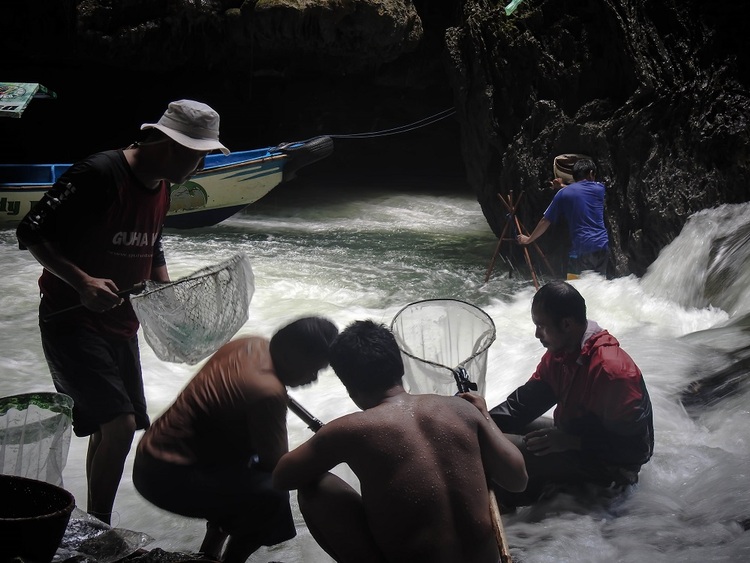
column 439, row 337
column 187, row 320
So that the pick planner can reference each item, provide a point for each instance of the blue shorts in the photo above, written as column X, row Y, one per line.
column 102, row 375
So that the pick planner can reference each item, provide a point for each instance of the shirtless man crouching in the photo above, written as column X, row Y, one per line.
column 422, row 461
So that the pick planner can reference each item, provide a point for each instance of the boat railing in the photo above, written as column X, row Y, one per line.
column 31, row 174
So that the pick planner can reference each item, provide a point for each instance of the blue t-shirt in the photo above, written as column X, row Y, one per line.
column 582, row 206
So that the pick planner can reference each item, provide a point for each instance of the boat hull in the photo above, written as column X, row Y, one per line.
column 225, row 186
column 215, row 195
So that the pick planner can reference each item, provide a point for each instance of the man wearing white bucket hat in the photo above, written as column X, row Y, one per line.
column 192, row 124
column 97, row 233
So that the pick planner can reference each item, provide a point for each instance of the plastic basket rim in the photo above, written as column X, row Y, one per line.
column 70, row 497
column 61, row 399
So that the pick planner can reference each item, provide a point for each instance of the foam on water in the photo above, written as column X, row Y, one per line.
column 366, row 255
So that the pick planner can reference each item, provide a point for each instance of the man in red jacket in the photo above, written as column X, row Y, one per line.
column 603, row 431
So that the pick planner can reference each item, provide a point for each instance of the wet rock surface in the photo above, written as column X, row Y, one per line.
column 656, row 92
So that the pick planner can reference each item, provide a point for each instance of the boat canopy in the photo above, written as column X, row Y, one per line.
column 15, row 96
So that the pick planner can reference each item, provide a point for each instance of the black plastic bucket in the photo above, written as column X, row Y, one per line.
column 33, row 518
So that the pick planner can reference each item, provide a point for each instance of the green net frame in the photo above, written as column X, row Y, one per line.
column 35, row 433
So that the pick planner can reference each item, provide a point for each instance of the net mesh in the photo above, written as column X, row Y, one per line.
column 35, row 432
column 439, row 338
column 187, row 320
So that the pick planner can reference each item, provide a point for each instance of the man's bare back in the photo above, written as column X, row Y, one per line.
column 421, row 475
column 422, row 478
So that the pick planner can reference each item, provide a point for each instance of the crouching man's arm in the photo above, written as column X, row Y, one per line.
column 309, row 462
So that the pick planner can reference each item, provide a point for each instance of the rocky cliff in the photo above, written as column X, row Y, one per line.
column 655, row 90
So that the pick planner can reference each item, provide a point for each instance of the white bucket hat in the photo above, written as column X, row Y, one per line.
column 192, row 124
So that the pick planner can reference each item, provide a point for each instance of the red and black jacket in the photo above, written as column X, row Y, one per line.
column 600, row 395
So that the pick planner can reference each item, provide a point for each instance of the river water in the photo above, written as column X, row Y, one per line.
column 351, row 253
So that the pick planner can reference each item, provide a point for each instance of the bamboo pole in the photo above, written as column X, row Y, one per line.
column 497, row 251
column 512, row 206
column 497, row 525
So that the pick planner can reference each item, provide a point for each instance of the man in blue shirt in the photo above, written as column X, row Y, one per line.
column 581, row 205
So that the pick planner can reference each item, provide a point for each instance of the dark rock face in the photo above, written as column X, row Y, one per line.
column 655, row 91
column 319, row 35
column 276, row 70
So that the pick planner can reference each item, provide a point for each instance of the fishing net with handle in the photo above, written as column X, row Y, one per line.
column 442, row 342
column 187, row 320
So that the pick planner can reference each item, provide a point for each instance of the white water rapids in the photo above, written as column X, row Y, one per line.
column 367, row 254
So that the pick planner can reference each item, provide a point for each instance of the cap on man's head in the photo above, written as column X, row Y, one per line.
column 192, row 124
column 562, row 166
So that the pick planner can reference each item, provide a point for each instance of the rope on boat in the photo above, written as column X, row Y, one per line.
column 401, row 129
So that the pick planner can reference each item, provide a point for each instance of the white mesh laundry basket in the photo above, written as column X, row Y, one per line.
column 35, row 432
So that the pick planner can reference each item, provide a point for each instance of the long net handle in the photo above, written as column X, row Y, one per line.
column 464, row 384
column 137, row 288
column 312, row 423
column 497, row 525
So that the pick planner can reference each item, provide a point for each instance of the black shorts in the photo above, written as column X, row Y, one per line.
column 238, row 498
column 596, row 261
column 102, row 375
column 556, row 471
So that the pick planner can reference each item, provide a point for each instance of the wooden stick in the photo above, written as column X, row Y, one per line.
column 497, row 251
column 526, row 256
column 464, row 386
column 497, row 525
